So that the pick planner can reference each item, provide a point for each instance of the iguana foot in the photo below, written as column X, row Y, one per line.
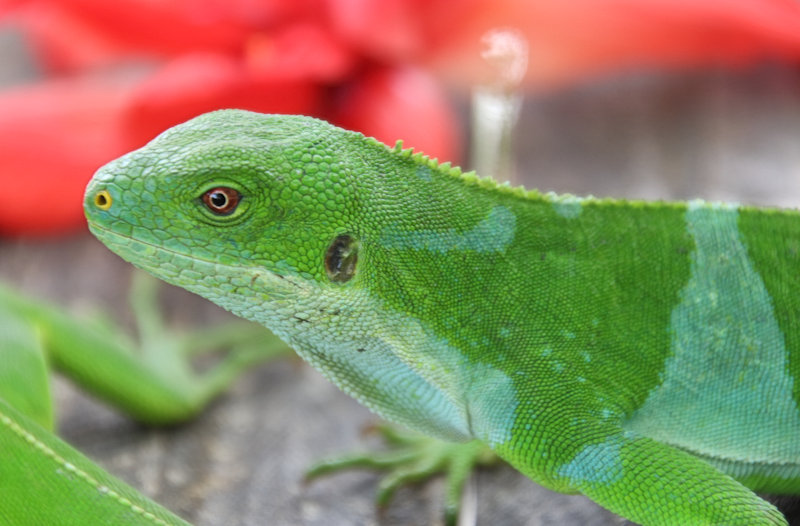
column 414, row 458
column 169, row 354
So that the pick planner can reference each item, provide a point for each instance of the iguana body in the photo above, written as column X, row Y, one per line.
column 629, row 351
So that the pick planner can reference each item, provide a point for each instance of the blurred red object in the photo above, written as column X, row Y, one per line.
column 120, row 72
column 52, row 138
column 573, row 40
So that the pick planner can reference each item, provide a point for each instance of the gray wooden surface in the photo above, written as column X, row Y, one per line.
column 715, row 135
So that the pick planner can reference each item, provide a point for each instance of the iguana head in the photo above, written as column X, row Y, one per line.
column 233, row 188
column 266, row 215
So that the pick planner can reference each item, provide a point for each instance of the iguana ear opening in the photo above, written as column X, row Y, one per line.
column 341, row 258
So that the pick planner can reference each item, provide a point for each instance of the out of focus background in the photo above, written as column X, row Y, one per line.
column 656, row 99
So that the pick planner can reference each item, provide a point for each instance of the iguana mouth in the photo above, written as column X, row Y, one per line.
column 143, row 253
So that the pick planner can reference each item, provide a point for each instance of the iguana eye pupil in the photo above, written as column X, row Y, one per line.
column 218, row 199
column 222, row 200
column 341, row 258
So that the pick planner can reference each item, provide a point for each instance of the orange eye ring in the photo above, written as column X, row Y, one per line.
column 222, row 200
column 102, row 200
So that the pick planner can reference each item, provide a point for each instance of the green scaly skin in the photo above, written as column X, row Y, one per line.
column 646, row 355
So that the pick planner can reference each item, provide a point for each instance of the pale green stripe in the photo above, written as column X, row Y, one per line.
column 726, row 384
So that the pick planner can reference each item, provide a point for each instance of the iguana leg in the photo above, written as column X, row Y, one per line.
column 24, row 375
column 152, row 380
column 413, row 458
column 168, row 354
column 639, row 478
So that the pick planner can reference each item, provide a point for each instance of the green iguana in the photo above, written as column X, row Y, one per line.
column 644, row 354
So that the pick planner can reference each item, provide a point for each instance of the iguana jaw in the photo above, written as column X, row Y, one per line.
column 324, row 327
column 206, row 278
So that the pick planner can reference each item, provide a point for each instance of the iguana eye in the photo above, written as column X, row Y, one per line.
column 222, row 200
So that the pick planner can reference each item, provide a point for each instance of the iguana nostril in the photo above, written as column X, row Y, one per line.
column 102, row 200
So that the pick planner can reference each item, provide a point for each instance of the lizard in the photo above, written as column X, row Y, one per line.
column 644, row 354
